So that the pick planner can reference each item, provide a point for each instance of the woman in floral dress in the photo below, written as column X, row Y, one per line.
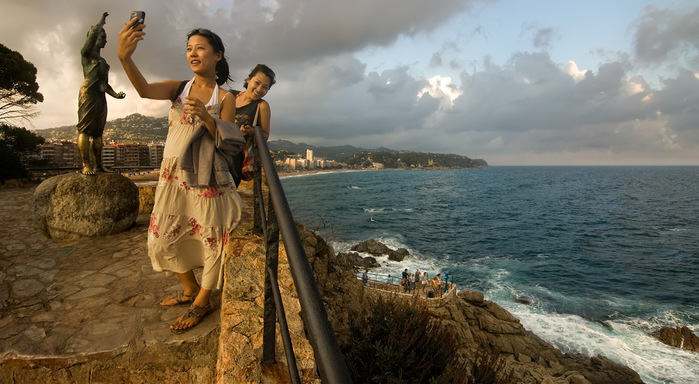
column 196, row 202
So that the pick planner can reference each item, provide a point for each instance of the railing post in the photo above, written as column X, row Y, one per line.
column 271, row 264
column 257, row 185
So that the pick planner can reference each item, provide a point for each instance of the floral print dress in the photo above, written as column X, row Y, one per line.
column 189, row 225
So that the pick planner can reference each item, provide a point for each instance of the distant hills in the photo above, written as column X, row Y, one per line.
column 137, row 128
column 337, row 153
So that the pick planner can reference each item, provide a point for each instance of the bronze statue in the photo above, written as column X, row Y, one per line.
column 92, row 104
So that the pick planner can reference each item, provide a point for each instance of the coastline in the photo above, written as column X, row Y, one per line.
column 146, row 178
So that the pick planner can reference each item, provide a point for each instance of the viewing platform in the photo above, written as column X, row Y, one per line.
column 384, row 285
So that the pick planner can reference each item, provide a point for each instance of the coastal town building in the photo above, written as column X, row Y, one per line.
column 60, row 153
column 108, row 155
column 296, row 162
column 155, row 152
column 65, row 154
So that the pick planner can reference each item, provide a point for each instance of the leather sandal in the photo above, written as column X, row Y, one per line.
column 194, row 312
column 180, row 298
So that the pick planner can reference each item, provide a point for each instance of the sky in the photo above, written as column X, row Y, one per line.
column 514, row 82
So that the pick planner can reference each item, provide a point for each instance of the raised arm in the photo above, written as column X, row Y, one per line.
column 89, row 45
column 128, row 41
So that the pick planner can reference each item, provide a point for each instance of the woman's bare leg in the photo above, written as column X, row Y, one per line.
column 190, row 287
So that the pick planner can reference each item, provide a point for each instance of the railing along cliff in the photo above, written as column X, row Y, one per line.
column 329, row 359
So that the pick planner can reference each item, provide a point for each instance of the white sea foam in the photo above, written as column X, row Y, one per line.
column 375, row 210
column 394, row 268
column 620, row 341
column 624, row 340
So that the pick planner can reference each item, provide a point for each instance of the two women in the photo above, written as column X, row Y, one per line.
column 196, row 202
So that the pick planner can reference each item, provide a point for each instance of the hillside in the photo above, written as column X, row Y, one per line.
column 337, row 153
column 407, row 159
column 137, row 128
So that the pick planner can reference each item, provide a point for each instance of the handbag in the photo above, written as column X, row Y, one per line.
column 248, row 172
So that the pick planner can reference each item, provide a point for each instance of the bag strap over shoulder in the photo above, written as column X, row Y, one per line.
column 179, row 89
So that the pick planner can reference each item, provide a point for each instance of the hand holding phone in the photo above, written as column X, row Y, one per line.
column 140, row 15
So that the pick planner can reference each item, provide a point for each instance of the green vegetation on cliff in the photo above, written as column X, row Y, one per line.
column 135, row 128
column 401, row 342
column 406, row 159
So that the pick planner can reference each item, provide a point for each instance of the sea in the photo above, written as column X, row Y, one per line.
column 591, row 259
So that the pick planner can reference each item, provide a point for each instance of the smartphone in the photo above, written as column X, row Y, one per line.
column 140, row 15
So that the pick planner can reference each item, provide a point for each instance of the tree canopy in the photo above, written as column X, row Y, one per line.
column 16, row 143
column 20, row 140
column 19, row 91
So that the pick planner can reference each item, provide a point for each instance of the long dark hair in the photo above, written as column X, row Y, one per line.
column 223, row 73
column 265, row 70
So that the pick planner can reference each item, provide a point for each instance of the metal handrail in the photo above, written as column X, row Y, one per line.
column 328, row 357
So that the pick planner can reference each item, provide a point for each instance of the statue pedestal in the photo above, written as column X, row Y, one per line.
column 75, row 206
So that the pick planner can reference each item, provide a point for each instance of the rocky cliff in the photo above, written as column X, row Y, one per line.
column 475, row 320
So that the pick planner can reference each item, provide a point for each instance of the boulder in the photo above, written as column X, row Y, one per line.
column 377, row 248
column 356, row 260
column 74, row 206
column 372, row 247
column 398, row 255
column 680, row 337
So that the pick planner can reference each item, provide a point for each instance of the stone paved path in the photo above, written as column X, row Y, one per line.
column 70, row 300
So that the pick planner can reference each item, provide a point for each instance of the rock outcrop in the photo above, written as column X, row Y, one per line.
column 361, row 262
column 377, row 248
column 680, row 337
column 74, row 206
column 476, row 322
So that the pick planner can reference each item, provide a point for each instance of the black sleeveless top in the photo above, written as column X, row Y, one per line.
column 243, row 115
column 246, row 114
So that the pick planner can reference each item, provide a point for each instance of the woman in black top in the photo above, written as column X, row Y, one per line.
column 247, row 103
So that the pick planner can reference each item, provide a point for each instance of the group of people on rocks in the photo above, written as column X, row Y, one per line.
column 420, row 284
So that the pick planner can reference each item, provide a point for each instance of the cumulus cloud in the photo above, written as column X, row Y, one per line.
column 663, row 36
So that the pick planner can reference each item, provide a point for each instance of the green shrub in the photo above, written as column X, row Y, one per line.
column 401, row 342
column 398, row 342
column 12, row 167
column 489, row 368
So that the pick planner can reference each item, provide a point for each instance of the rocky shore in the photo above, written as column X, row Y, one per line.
column 475, row 320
